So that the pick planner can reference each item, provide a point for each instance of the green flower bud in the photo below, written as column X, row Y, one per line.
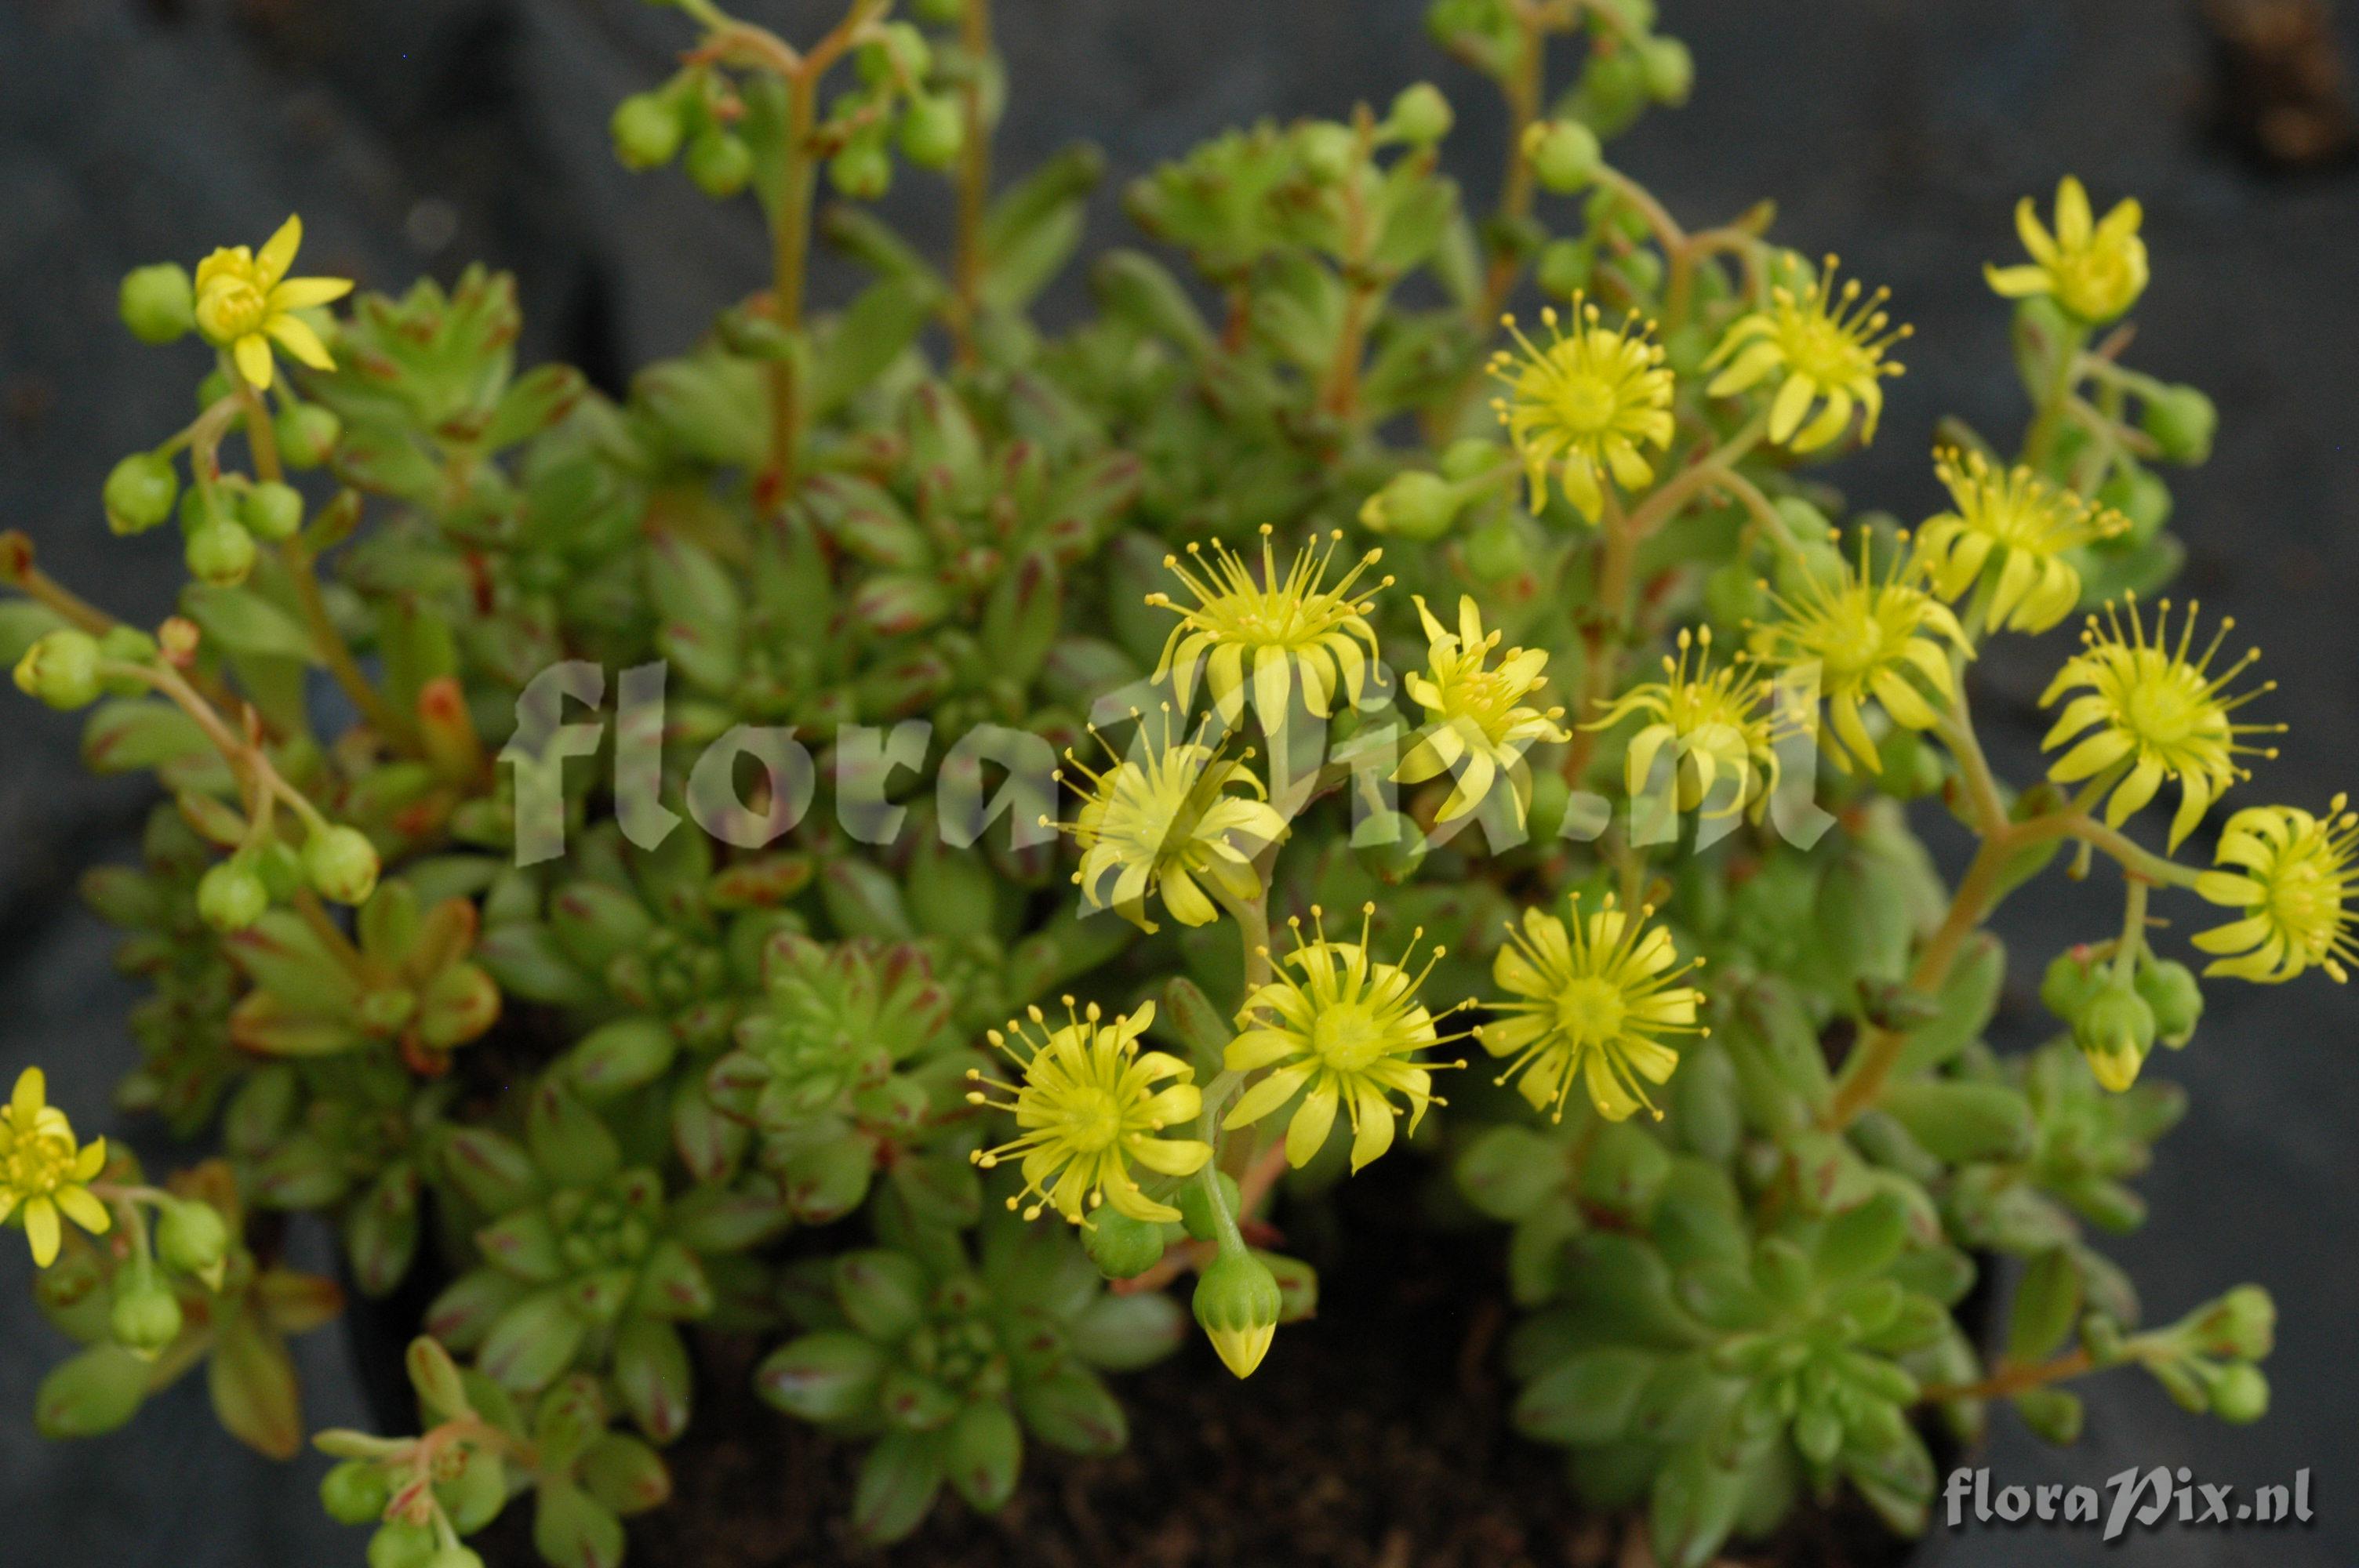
column 125, row 645
column 1327, row 150
column 2054, row 1415
column 2114, row 1031
column 1421, row 114
column 932, row 131
column 272, row 511
column 192, row 1237
column 1391, row 847
column 1494, row 552
column 1613, row 91
column 356, row 1492
column 1237, row 1304
column 2243, row 1325
column 1551, row 801
column 1731, row 594
column 144, row 1318
column 647, row 130
column 1469, row 456
column 221, row 553
column 862, row 171
column 140, row 491
column 2182, row 422
column 307, row 434
column 158, row 303
column 902, row 44
column 1565, row 154
column 231, row 896
column 455, row 1557
column 1196, row 1208
column 720, row 162
column 401, row 1545
column 1121, row 1247
column 2140, row 495
column 1565, row 266
column 2240, row 1393
column 61, row 669
column 1670, row 70
column 2172, row 989
column 1413, row 506
column 2069, row 982
column 341, row 864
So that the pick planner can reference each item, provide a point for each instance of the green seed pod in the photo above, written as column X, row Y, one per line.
column 140, row 492
column 1421, row 114
column 158, row 303
column 720, row 162
column 1121, row 1247
column 1196, row 1208
column 1413, row 505
column 340, row 864
column 356, row 1492
column 1327, row 150
column 647, row 130
column 307, row 434
column 1565, row 154
column 146, row 1317
column 454, row 1557
column 231, row 897
column 192, row 1237
column 2182, row 422
column 932, row 131
column 2172, row 989
column 272, row 511
column 61, row 670
column 220, row 553
column 1238, row 1304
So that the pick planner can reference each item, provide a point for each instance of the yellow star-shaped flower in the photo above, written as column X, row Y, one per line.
column 247, row 302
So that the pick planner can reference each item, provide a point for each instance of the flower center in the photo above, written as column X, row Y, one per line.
column 1588, row 1011
column 1092, row 1119
column 2092, row 282
column 36, row 1164
column 1854, row 635
column 2163, row 711
column 1348, row 1037
column 1583, row 402
column 1818, row 348
column 231, row 308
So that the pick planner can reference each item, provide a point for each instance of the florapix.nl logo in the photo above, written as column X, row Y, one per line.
column 2155, row 1498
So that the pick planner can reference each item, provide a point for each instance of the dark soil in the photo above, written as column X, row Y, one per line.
column 1373, row 1437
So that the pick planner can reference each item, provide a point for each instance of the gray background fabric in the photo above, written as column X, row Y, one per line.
column 412, row 134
